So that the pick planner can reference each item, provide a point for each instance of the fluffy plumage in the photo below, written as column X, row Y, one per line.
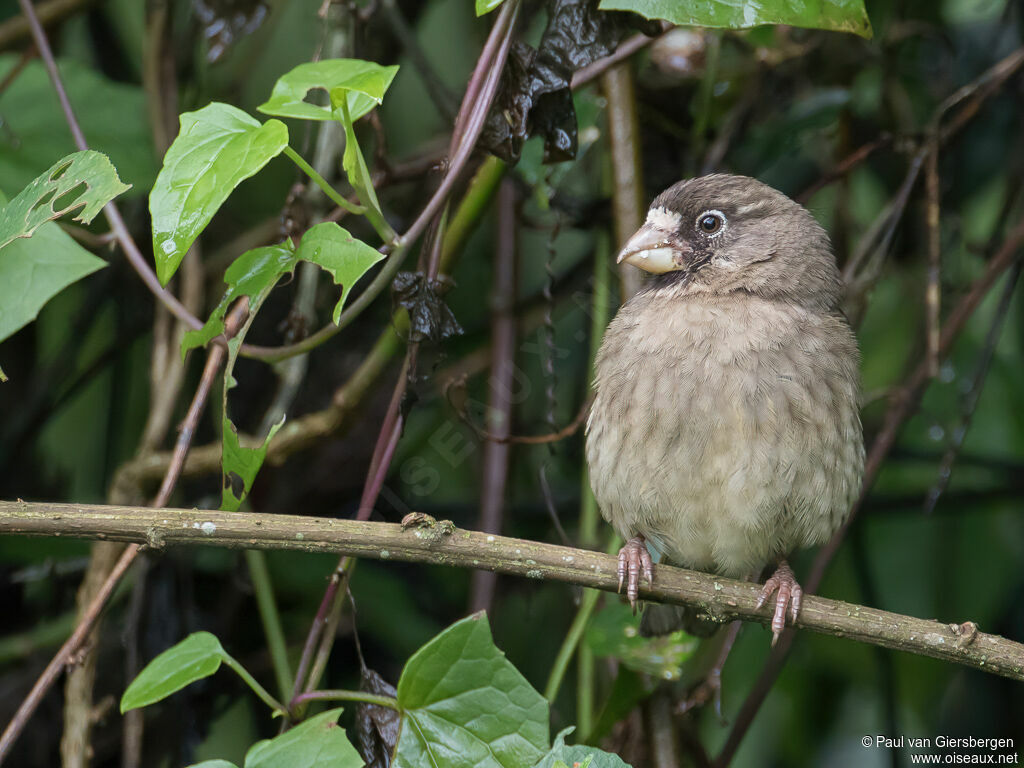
column 725, row 430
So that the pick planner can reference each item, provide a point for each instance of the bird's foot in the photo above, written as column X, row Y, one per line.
column 634, row 559
column 787, row 600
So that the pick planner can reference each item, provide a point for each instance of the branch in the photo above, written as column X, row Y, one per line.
column 443, row 544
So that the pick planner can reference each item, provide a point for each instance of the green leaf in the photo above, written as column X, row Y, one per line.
column 213, row 764
column 360, row 84
column 465, row 705
column 355, row 166
column 240, row 464
column 614, row 631
column 197, row 656
column 217, row 149
column 253, row 274
column 34, row 270
column 83, row 181
column 319, row 742
column 333, row 249
column 484, row 7
column 33, row 131
column 579, row 755
column 836, row 15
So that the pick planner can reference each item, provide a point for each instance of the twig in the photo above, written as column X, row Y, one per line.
column 494, row 470
column 902, row 405
column 437, row 544
column 597, row 68
column 14, row 29
column 92, row 612
column 933, row 288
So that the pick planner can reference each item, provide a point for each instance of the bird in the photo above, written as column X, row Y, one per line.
column 725, row 428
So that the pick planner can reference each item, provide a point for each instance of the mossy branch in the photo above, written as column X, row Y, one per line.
column 440, row 543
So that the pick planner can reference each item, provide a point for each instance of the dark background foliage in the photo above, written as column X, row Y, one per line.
column 784, row 105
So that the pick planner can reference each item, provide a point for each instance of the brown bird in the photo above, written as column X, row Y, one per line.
column 725, row 431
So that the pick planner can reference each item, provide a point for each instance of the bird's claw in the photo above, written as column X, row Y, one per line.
column 783, row 581
column 634, row 559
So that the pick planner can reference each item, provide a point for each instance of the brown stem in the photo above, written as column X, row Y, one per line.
column 429, row 542
column 499, row 406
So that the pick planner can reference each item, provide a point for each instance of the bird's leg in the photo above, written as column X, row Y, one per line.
column 789, row 596
column 634, row 559
column 710, row 688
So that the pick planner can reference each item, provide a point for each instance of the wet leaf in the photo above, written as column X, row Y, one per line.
column 429, row 317
column 34, row 270
column 333, row 249
column 836, row 15
column 614, row 631
column 465, row 706
column 319, row 742
column 218, row 148
column 82, row 182
column 377, row 727
column 362, row 83
column 197, row 656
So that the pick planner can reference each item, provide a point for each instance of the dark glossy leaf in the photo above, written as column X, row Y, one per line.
column 465, row 706
column 429, row 317
column 377, row 727
column 83, row 182
column 836, row 15
column 333, row 249
column 34, row 270
column 362, row 83
column 319, row 742
column 579, row 755
column 218, row 147
column 615, row 632
column 535, row 97
column 197, row 656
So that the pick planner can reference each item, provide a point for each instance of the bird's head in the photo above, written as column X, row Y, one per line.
column 722, row 234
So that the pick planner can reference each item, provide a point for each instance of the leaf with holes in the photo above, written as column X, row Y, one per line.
column 361, row 84
column 333, row 249
column 34, row 270
column 241, row 463
column 217, row 149
column 82, row 182
column 253, row 274
column 197, row 656
column 319, row 742
column 835, row 15
column 465, row 706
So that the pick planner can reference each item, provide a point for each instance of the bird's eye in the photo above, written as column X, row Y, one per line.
column 711, row 222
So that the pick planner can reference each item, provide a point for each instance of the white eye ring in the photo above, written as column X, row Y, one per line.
column 715, row 215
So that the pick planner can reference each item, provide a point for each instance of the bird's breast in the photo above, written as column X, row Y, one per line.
column 725, row 429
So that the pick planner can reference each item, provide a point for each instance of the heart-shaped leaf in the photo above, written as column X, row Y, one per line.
column 563, row 756
column 217, row 149
column 361, row 83
column 465, row 706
